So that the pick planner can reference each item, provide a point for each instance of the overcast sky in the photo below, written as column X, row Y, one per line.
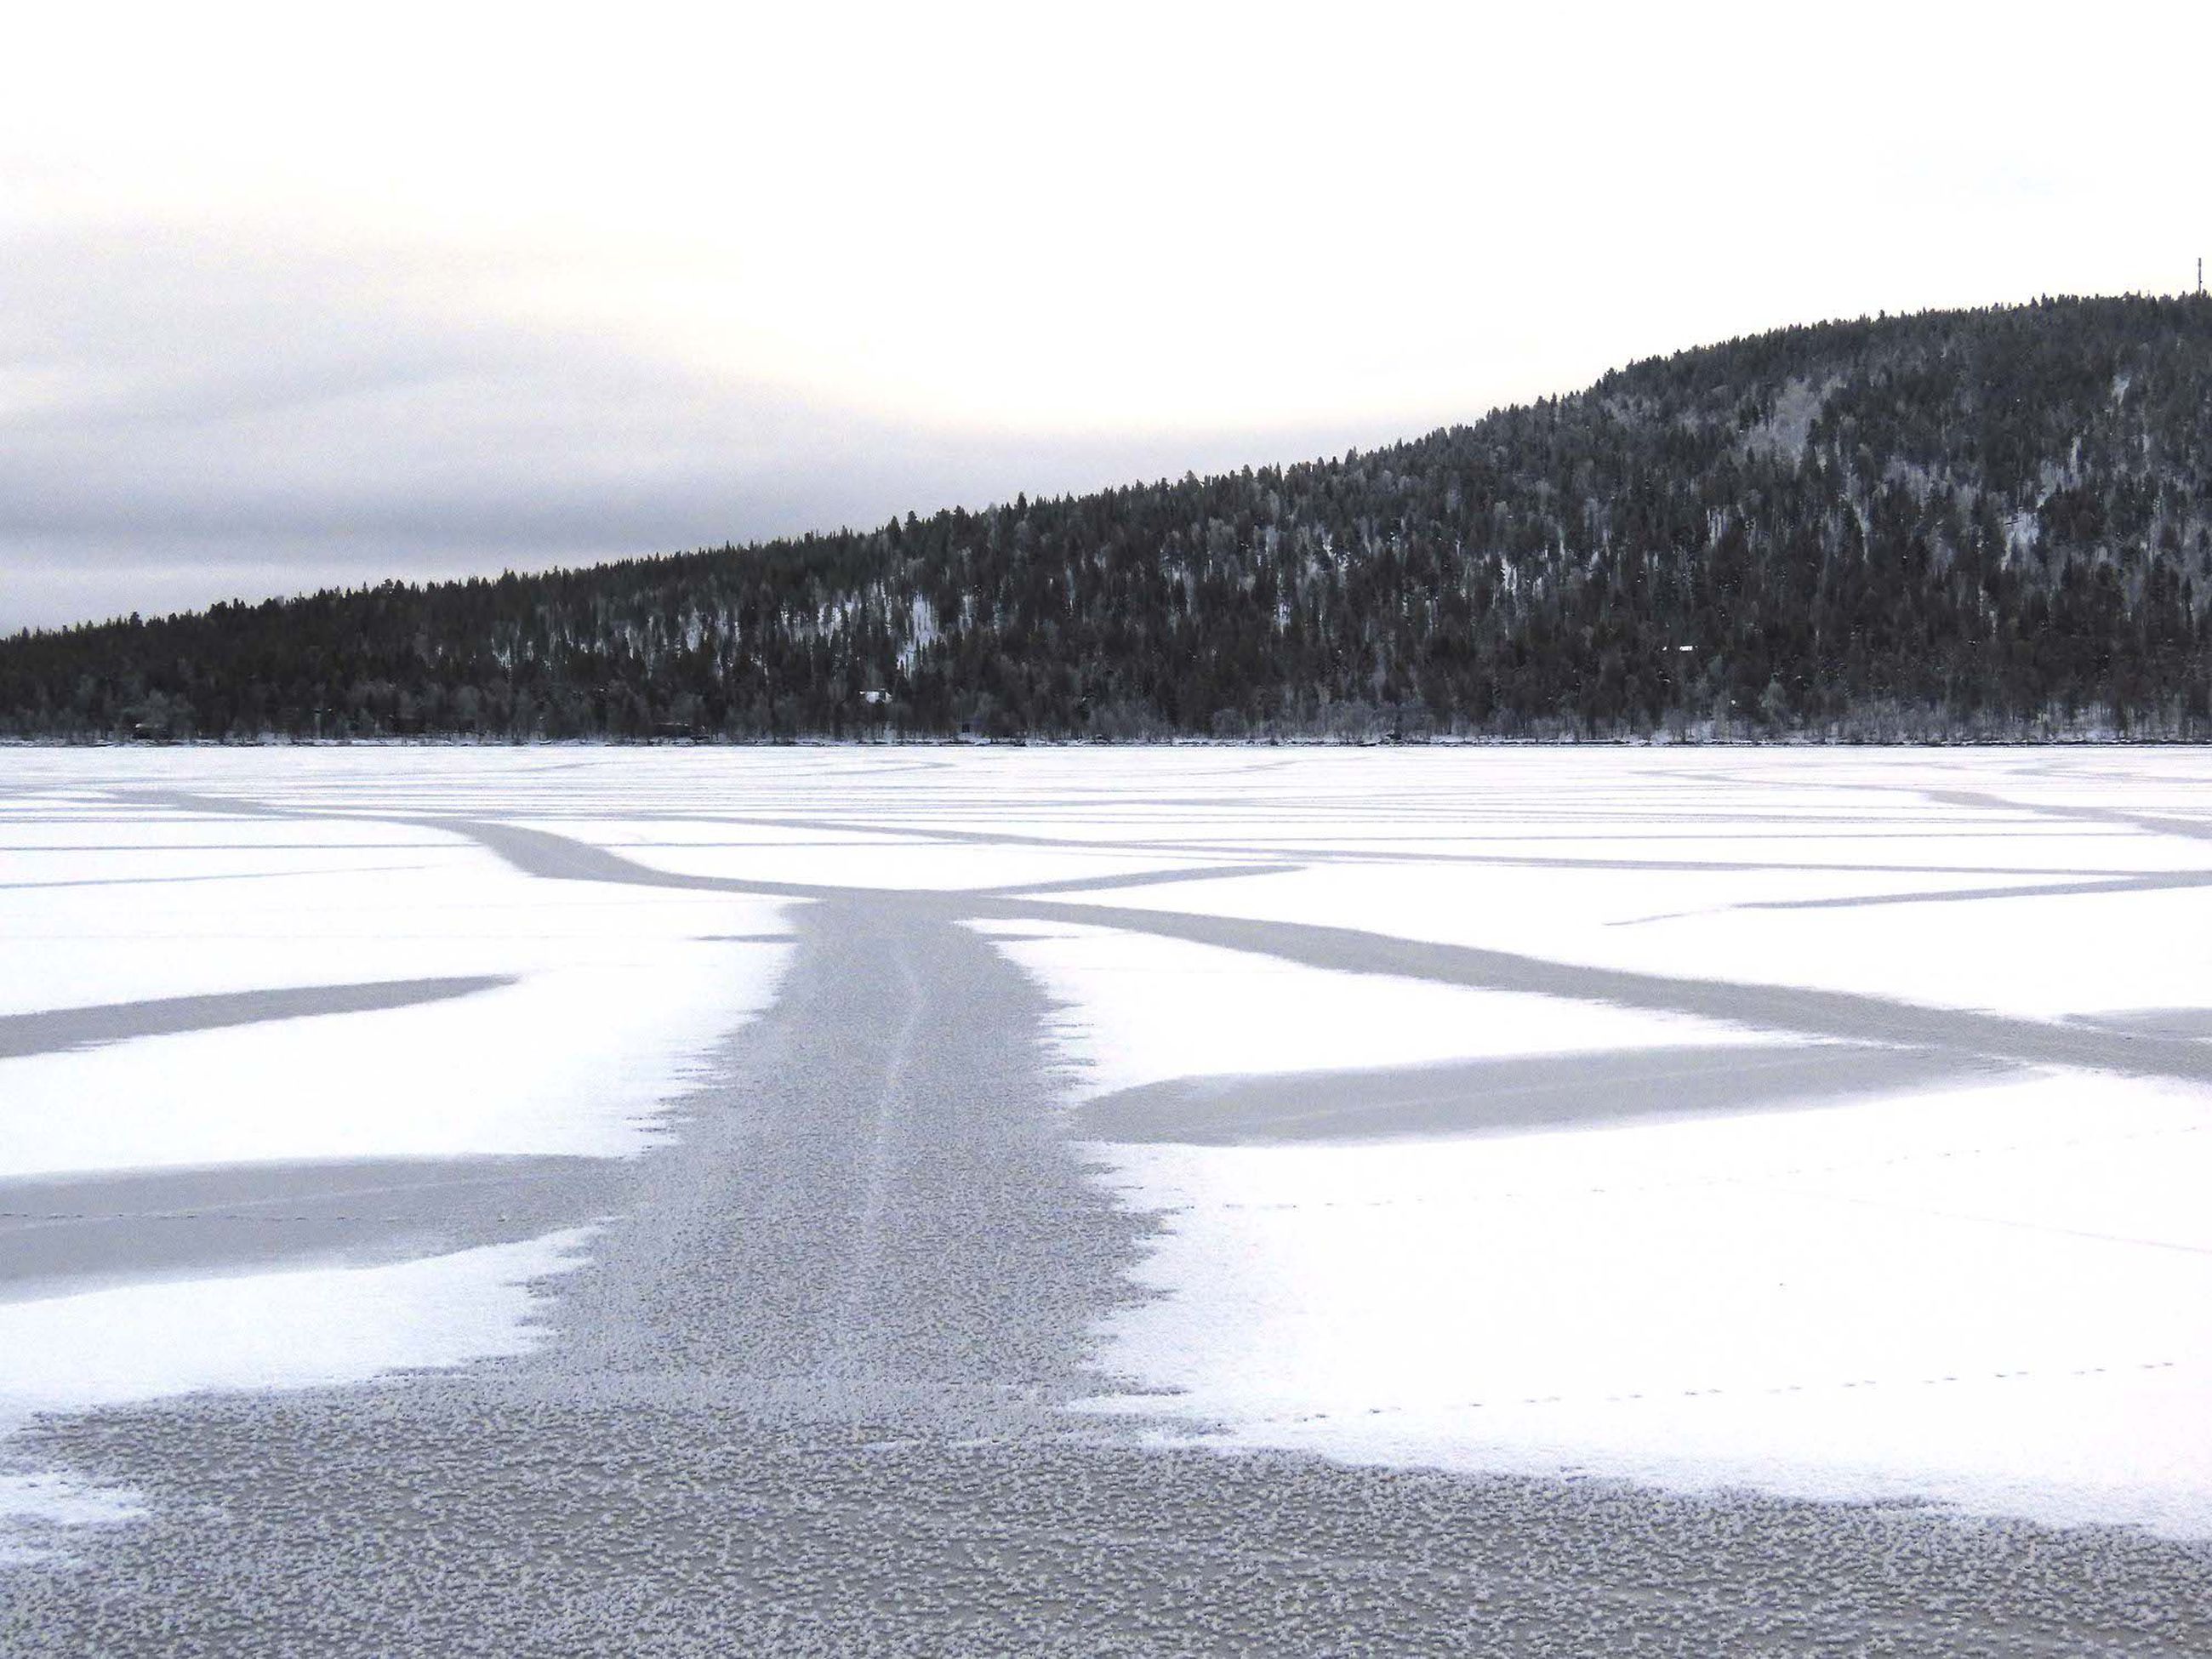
column 302, row 294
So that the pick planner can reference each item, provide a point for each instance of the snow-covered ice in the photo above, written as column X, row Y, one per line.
column 1139, row 1009
column 638, row 985
column 196, row 984
column 1939, row 1238
column 273, row 1330
column 1991, row 1296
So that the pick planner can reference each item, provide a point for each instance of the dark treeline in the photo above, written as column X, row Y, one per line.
column 1968, row 524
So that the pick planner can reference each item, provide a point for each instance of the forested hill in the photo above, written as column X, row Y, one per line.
column 1988, row 523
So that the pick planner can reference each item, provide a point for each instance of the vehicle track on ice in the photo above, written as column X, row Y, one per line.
column 878, row 1218
column 809, row 1396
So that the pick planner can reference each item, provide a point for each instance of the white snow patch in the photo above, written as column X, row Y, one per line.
column 33, row 1506
column 619, row 995
column 280, row 1330
column 64, row 1501
column 578, row 1060
column 1990, row 1298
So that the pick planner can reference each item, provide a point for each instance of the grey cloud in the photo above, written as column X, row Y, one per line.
column 191, row 418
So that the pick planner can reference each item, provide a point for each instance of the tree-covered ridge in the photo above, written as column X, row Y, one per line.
column 1988, row 523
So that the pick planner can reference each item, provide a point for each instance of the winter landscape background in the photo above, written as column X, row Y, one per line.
column 775, row 874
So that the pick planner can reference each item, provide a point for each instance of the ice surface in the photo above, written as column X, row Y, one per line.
column 1984, row 1289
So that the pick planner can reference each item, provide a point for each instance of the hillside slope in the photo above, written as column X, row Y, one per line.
column 1990, row 523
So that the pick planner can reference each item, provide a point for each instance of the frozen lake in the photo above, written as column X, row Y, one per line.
column 956, row 1199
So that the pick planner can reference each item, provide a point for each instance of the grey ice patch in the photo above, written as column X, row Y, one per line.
column 2158, row 881
column 559, row 858
column 2193, row 1024
column 1490, row 1096
column 54, row 1030
column 1142, row 878
column 173, row 881
column 436, row 1515
column 1805, row 1011
column 70, row 1233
